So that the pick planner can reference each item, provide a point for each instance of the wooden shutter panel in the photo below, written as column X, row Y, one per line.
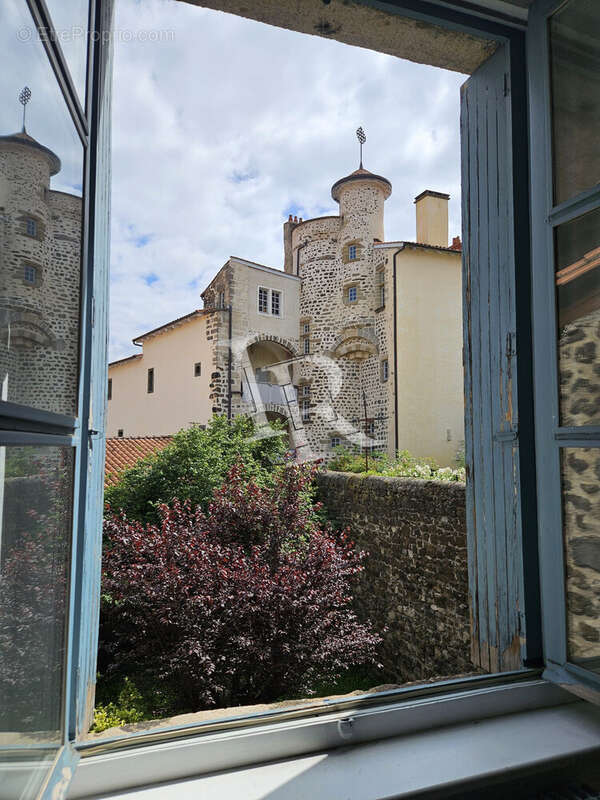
column 490, row 360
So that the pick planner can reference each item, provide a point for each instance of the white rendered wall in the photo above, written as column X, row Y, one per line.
column 430, row 371
column 179, row 399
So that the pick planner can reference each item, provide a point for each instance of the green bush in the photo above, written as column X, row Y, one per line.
column 129, row 707
column 404, row 465
column 195, row 464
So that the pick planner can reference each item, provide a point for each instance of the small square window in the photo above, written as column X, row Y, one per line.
column 120, row 433
column 150, row 381
column 352, row 294
column 306, row 346
column 335, row 442
column 29, row 274
column 197, row 369
column 371, row 428
column 384, row 370
column 263, row 300
column 31, row 226
column 352, row 252
column 275, row 303
column 109, row 389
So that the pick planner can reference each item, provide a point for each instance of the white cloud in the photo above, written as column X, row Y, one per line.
column 223, row 126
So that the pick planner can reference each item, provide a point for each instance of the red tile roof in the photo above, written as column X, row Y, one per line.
column 122, row 453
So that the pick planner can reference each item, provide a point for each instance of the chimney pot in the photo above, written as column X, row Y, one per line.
column 290, row 218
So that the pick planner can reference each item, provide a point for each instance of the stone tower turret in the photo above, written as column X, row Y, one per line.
column 334, row 257
column 40, row 256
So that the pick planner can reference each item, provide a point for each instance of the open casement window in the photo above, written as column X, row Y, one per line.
column 564, row 59
column 53, row 454
column 53, row 394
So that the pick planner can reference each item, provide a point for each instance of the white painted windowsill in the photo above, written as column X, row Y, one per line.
column 434, row 757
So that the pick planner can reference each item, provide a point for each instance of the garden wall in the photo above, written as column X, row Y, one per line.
column 415, row 579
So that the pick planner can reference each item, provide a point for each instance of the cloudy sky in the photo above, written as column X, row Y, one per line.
column 223, row 126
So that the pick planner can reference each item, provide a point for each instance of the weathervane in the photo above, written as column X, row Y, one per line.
column 362, row 138
column 24, row 98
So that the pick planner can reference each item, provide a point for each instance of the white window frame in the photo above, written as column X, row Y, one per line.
column 351, row 290
column 305, row 410
column 352, row 252
column 335, row 441
column 260, row 295
column 276, row 301
column 385, row 370
column 306, row 346
column 269, row 293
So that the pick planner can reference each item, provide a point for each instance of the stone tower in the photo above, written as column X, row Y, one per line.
column 341, row 339
column 40, row 256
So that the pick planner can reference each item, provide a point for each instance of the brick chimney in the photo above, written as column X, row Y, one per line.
column 432, row 218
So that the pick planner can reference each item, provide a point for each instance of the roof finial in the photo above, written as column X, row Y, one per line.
column 24, row 98
column 362, row 138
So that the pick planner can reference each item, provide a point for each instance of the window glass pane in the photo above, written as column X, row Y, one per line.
column 581, row 528
column 35, row 534
column 41, row 172
column 575, row 66
column 70, row 22
column 578, row 302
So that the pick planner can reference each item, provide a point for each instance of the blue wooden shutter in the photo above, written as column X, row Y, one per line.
column 490, row 359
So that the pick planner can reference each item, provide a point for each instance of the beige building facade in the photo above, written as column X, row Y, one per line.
column 357, row 342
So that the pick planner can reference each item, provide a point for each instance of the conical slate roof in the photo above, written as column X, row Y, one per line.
column 361, row 174
column 23, row 138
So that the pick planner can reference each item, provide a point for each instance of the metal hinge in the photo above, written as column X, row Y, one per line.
column 511, row 344
column 506, row 437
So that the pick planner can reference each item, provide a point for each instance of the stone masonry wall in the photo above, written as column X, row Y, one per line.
column 415, row 580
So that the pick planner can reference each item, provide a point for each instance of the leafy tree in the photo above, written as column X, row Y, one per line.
column 194, row 465
column 247, row 603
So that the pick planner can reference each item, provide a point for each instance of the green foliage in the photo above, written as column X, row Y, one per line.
column 404, row 465
column 129, row 707
column 195, row 464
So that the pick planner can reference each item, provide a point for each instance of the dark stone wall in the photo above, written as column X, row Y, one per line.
column 415, row 580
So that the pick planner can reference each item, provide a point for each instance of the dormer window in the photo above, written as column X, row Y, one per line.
column 352, row 252
column 31, row 227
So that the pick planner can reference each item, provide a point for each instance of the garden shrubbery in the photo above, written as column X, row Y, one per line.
column 195, row 464
column 404, row 465
column 248, row 601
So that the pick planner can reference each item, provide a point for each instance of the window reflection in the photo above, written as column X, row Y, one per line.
column 581, row 526
column 41, row 167
column 578, row 301
column 575, row 63
column 70, row 23
column 35, row 533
